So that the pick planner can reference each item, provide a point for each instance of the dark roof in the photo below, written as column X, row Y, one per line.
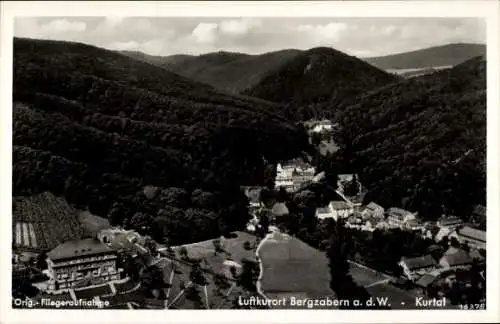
column 339, row 205
column 425, row 281
column 398, row 212
column 373, row 206
column 451, row 220
column 323, row 210
column 419, row 262
column 279, row 209
column 458, row 258
column 78, row 248
column 472, row 233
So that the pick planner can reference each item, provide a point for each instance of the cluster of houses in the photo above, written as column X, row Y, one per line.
column 320, row 126
column 294, row 174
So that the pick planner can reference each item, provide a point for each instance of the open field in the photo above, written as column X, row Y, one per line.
column 293, row 268
column 211, row 296
column 43, row 221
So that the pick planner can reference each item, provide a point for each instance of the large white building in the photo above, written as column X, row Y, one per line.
column 291, row 176
column 335, row 210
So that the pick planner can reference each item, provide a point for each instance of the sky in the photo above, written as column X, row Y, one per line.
column 362, row 37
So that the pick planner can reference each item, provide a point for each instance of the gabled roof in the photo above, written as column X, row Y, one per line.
column 460, row 257
column 323, row 210
column 426, row 280
column 419, row 262
column 398, row 212
column 414, row 222
column 78, row 248
column 451, row 220
column 338, row 205
column 472, row 233
column 373, row 206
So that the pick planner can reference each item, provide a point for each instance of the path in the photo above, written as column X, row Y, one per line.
column 261, row 267
column 377, row 283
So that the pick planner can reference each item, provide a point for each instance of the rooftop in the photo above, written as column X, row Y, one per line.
column 398, row 212
column 472, row 233
column 78, row 248
column 279, row 209
column 450, row 220
column 338, row 204
column 373, row 206
column 460, row 257
column 323, row 210
column 426, row 280
column 419, row 262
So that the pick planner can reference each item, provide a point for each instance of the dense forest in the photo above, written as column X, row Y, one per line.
column 445, row 55
column 421, row 144
column 318, row 75
column 96, row 127
column 231, row 72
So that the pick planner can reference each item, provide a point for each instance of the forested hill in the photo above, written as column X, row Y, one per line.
column 446, row 55
column 319, row 75
column 421, row 143
column 96, row 127
column 231, row 72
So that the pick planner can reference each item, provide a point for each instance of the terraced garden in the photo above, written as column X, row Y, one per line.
column 43, row 221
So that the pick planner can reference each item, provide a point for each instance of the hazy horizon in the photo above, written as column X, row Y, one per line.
column 166, row 36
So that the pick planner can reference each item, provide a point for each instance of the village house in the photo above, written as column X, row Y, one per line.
column 414, row 268
column 414, row 224
column 81, row 263
column 373, row 210
column 122, row 240
column 253, row 195
column 455, row 258
column 430, row 230
column 425, row 282
column 323, row 126
column 341, row 209
column 473, row 237
column 449, row 221
column 293, row 174
column 324, row 213
column 397, row 217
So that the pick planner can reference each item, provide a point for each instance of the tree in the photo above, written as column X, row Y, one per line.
column 263, row 224
column 151, row 246
column 338, row 252
column 249, row 275
column 142, row 222
column 454, row 242
column 221, row 281
column 196, row 275
column 41, row 261
column 247, row 245
column 217, row 245
column 183, row 253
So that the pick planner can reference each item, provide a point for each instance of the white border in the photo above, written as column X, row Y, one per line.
column 487, row 9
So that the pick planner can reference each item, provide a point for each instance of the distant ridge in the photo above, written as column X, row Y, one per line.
column 445, row 55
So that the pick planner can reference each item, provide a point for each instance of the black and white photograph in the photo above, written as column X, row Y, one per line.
column 239, row 162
